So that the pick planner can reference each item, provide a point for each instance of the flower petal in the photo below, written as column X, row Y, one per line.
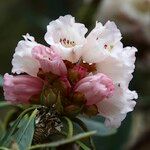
column 23, row 60
column 49, row 60
column 115, row 108
column 119, row 68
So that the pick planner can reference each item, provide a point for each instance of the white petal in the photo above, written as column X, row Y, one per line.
column 23, row 62
column 115, row 108
column 113, row 31
column 114, row 69
column 128, row 57
column 103, row 41
column 67, row 36
column 115, row 122
column 119, row 67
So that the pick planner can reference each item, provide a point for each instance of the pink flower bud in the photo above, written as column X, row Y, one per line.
column 19, row 89
column 82, row 71
column 95, row 88
column 77, row 73
column 49, row 60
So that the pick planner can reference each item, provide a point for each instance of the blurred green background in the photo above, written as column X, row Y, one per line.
column 18, row 17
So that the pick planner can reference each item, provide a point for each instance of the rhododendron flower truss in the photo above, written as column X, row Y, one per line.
column 75, row 74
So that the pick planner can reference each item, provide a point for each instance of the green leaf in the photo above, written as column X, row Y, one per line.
column 64, row 141
column 83, row 126
column 2, row 130
column 1, row 80
column 10, row 113
column 24, row 135
column 95, row 124
column 4, row 148
column 7, row 138
column 5, row 104
column 70, row 127
column 82, row 145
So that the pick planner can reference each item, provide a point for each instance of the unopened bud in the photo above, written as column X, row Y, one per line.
column 77, row 73
column 48, row 97
column 91, row 110
column 72, row 110
column 95, row 88
column 78, row 98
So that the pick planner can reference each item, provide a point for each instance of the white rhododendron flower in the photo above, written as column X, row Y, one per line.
column 96, row 74
column 23, row 60
column 102, row 42
column 67, row 37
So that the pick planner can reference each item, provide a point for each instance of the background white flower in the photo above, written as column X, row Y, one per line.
column 129, row 15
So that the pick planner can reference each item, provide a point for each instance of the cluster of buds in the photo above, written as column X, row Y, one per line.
column 76, row 75
column 67, row 86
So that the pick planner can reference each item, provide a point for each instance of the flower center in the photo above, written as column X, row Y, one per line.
column 67, row 43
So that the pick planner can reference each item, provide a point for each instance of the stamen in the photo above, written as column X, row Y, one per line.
column 108, row 47
column 105, row 46
column 67, row 43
